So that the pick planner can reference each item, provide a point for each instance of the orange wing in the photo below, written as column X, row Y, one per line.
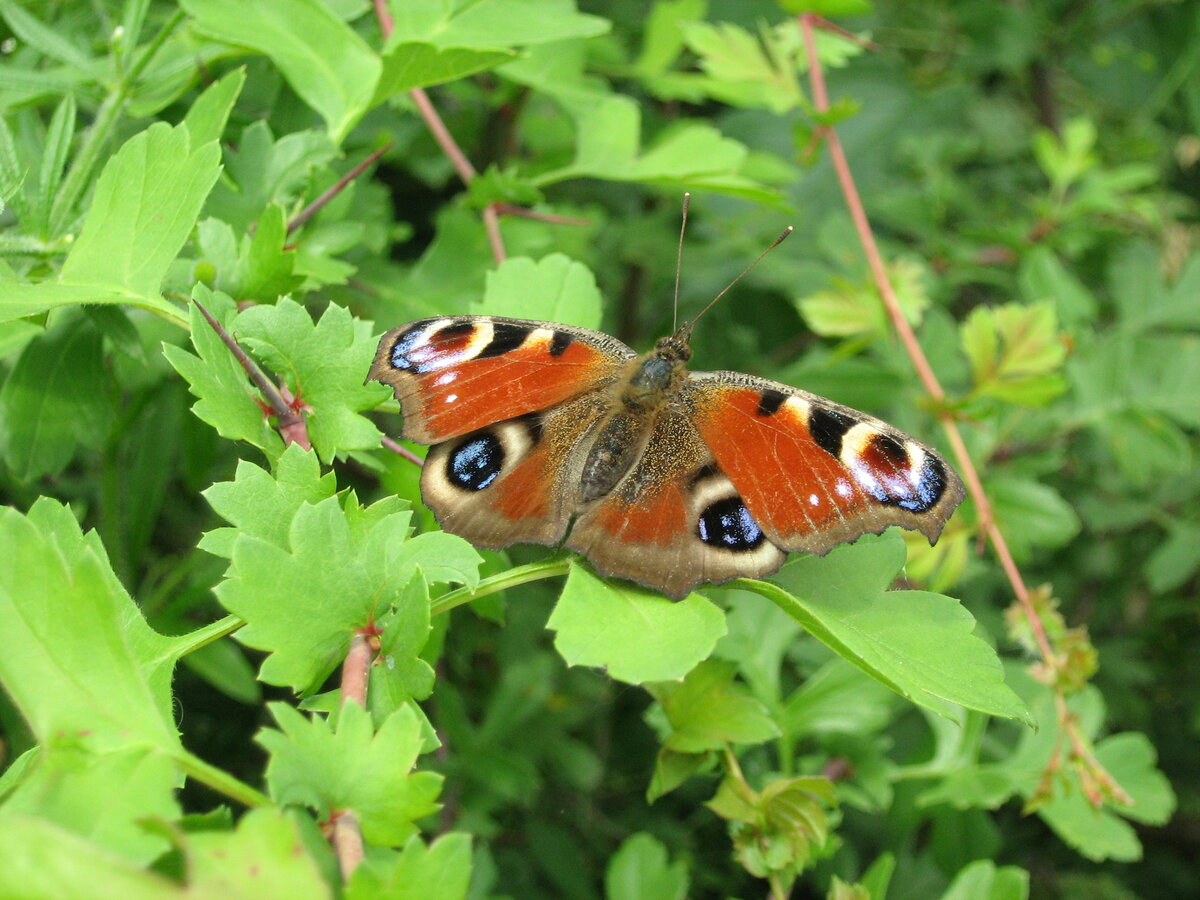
column 814, row 473
column 457, row 374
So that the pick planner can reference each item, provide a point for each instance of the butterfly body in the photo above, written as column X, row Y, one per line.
column 546, row 433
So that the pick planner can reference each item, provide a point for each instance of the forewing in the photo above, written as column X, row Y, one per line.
column 457, row 374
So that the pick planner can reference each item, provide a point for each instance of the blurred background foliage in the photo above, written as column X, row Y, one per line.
column 1032, row 171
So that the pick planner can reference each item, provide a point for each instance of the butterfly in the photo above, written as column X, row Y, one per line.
column 543, row 432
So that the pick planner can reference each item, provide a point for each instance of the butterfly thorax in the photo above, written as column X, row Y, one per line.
column 652, row 381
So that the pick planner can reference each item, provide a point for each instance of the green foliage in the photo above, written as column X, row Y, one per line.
column 860, row 727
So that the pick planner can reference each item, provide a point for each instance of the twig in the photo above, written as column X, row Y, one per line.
column 987, row 519
column 521, row 212
column 356, row 668
column 346, row 837
column 402, row 451
column 311, row 210
column 441, row 134
column 291, row 424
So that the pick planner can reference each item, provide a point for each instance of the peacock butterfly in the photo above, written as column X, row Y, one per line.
column 667, row 477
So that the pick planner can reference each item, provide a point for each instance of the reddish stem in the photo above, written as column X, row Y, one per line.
column 1092, row 769
column 292, row 426
column 311, row 210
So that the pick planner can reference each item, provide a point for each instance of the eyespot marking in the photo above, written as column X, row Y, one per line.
column 506, row 337
column 475, row 463
column 728, row 525
column 770, row 401
column 827, row 427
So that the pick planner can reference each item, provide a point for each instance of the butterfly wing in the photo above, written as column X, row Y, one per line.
column 813, row 473
column 456, row 374
column 508, row 404
column 674, row 520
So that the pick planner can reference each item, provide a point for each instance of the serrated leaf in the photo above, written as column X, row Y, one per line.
column 327, row 64
column 636, row 634
column 144, row 206
column 707, row 712
column 1015, row 352
column 263, row 504
column 342, row 570
column 352, row 767
column 641, row 869
column 745, row 69
column 553, row 289
column 323, row 365
column 105, row 728
column 441, row 871
column 261, row 170
column 917, row 643
column 264, row 857
column 850, row 309
column 225, row 396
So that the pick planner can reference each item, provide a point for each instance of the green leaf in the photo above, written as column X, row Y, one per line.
column 1015, row 352
column 263, row 857
column 225, row 396
column 342, row 570
column 96, row 694
column 1044, row 279
column 553, row 289
column 441, row 871
column 352, row 767
column 327, row 64
column 849, row 309
column 413, row 64
column 323, row 366
column 262, row 170
column 1031, row 514
column 493, row 24
column 44, row 861
column 54, row 400
column 207, row 117
column 641, row 869
column 262, row 504
column 984, row 880
column 917, row 643
column 707, row 711
column 143, row 208
column 635, row 633
column 750, row 70
column 54, row 157
column 1176, row 559
column 259, row 267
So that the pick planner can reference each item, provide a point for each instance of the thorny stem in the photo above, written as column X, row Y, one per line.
column 311, row 210
column 290, row 423
column 987, row 520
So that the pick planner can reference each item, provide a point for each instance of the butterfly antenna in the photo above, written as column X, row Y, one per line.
column 687, row 202
column 685, row 331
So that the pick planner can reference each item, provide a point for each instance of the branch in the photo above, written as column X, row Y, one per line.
column 1091, row 767
column 291, row 424
column 311, row 210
